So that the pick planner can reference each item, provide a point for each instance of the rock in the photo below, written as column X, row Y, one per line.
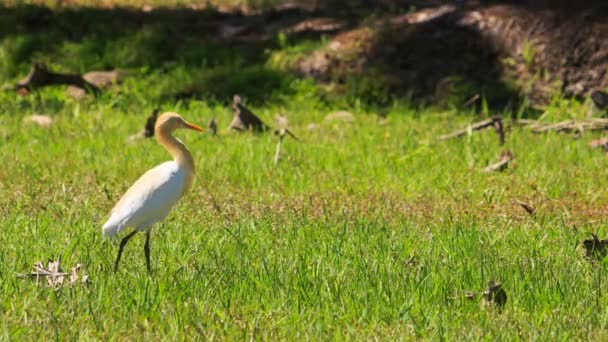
column 103, row 79
column 40, row 120
column 76, row 93
column 342, row 116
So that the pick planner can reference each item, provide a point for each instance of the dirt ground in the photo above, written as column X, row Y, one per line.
column 503, row 50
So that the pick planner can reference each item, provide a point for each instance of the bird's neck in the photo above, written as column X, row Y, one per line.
column 178, row 151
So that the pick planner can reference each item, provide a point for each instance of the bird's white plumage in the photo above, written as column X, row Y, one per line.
column 149, row 200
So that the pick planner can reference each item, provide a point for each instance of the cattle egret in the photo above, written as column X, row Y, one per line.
column 150, row 199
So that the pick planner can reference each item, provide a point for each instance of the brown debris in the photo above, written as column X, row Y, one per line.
column 213, row 126
column 495, row 122
column 322, row 25
column 505, row 157
column 244, row 119
column 495, row 294
column 150, row 123
column 148, row 130
column 595, row 248
column 471, row 100
column 528, row 208
column 600, row 99
column 54, row 276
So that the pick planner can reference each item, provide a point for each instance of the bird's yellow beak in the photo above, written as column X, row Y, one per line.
column 193, row 127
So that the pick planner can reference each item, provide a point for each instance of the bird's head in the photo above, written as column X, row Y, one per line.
column 169, row 121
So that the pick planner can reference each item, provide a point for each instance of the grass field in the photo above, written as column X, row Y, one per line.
column 364, row 230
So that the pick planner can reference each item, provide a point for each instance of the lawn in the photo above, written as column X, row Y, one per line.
column 365, row 229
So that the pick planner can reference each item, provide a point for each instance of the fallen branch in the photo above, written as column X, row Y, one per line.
column 505, row 157
column 567, row 126
column 39, row 76
column 495, row 122
column 472, row 100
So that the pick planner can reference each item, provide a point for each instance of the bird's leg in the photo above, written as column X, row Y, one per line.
column 147, row 251
column 122, row 246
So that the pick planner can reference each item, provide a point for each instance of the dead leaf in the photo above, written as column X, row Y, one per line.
column 505, row 157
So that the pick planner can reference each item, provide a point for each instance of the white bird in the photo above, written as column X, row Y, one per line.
column 153, row 195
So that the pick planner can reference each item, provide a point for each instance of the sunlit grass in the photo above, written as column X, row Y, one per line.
column 365, row 229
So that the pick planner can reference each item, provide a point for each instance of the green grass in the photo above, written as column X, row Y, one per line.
column 364, row 230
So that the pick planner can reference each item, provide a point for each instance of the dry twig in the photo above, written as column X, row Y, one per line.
column 495, row 122
column 567, row 126
column 528, row 208
column 505, row 157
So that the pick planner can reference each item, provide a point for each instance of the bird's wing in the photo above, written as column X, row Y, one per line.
column 148, row 200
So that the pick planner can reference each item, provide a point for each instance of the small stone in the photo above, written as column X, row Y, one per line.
column 76, row 93
column 342, row 115
column 40, row 120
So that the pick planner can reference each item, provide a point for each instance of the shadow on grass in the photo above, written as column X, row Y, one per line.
column 434, row 60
